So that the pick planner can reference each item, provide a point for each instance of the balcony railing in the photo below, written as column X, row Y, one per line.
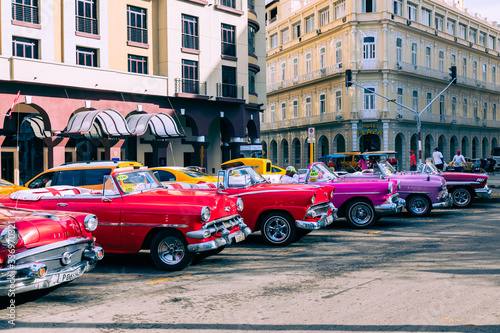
column 137, row 35
column 86, row 25
column 25, row 13
column 227, row 90
column 235, row 4
column 405, row 66
column 448, row 119
column 302, row 121
column 188, row 86
column 305, row 77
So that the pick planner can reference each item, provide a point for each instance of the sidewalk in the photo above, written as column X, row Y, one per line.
column 494, row 180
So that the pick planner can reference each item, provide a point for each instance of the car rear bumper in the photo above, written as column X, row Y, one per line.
column 393, row 205
column 484, row 192
column 32, row 276
column 326, row 219
column 445, row 200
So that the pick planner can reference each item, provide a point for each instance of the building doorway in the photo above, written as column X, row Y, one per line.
column 369, row 142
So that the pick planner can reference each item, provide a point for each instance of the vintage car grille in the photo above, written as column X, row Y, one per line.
column 321, row 208
column 228, row 223
column 53, row 258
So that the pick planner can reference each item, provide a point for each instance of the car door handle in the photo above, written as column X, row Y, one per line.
column 106, row 200
column 62, row 204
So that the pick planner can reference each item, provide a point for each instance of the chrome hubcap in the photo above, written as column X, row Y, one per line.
column 461, row 197
column 418, row 205
column 361, row 214
column 171, row 250
column 277, row 229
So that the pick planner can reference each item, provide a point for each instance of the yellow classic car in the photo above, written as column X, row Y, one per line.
column 182, row 174
column 8, row 188
column 262, row 165
column 468, row 166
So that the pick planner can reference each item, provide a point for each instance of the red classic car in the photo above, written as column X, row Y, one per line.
column 462, row 186
column 283, row 212
column 136, row 212
column 41, row 249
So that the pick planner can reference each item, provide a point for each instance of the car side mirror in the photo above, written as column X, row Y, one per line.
column 221, row 180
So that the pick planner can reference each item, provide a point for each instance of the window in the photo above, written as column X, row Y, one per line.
column 295, row 67
column 464, row 67
column 165, row 176
column 339, row 9
column 308, row 106
column 283, row 111
column 69, row 178
column 310, row 24
column 494, row 75
column 453, row 106
column 190, row 32
column 228, row 40
column 412, row 12
column 296, row 30
column 450, row 27
column 472, row 35
column 274, row 41
column 190, row 77
column 441, row 107
column 494, row 112
column 475, row 110
column 399, row 50
column 464, row 105
column 136, row 25
column 322, row 58
column 414, row 54
column 474, row 70
column 426, row 17
column 485, row 111
column 285, row 36
column 283, row 71
column 484, row 72
column 399, row 99
column 25, row 48
column 397, row 7
column 25, row 11
column 272, row 74
column 369, row 99
column 462, row 31
column 441, row 61
column 95, row 176
column 429, row 99
column 272, row 108
column 308, row 63
column 229, row 3
column 338, row 102
column 453, row 60
column 482, row 39
column 367, row 6
column 338, row 53
column 415, row 100
column 295, row 108
column 369, row 48
column 86, row 16
column 137, row 64
column 438, row 20
column 251, row 39
column 251, row 82
column 491, row 42
column 428, row 57
column 324, row 17
column 86, row 56
column 322, row 103
column 229, row 88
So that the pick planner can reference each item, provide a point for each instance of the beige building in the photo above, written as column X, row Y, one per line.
column 163, row 82
column 401, row 49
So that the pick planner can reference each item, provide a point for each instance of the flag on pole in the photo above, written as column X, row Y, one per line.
column 9, row 113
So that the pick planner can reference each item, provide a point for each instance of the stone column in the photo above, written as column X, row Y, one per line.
column 56, row 146
column 160, row 150
column 112, row 148
column 200, row 154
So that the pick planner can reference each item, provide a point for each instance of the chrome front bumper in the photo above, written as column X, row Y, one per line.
column 321, row 223
column 28, row 277
column 445, row 200
column 224, row 240
column 484, row 192
column 390, row 206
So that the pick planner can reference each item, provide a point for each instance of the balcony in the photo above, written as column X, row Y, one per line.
column 230, row 91
column 86, row 25
column 405, row 66
column 448, row 119
column 190, row 88
column 25, row 13
column 137, row 35
column 301, row 122
column 317, row 74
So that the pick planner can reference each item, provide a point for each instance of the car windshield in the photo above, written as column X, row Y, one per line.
column 427, row 168
column 244, row 176
column 384, row 168
column 320, row 173
column 137, row 181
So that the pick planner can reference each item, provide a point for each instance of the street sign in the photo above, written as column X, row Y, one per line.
column 311, row 135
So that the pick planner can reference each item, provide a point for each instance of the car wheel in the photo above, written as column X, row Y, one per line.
column 461, row 197
column 278, row 229
column 360, row 214
column 418, row 205
column 169, row 251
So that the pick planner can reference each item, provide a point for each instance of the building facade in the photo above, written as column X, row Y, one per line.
column 400, row 49
column 167, row 82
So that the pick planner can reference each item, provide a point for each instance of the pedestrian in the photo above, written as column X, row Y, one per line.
column 458, row 161
column 290, row 176
column 438, row 159
column 491, row 165
column 362, row 163
column 482, row 165
column 413, row 161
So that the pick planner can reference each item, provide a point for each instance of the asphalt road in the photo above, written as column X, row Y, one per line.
column 435, row 274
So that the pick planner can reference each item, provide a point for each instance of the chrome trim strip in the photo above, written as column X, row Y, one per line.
column 463, row 183
column 143, row 225
column 269, row 191
column 405, row 192
column 356, row 193
column 52, row 246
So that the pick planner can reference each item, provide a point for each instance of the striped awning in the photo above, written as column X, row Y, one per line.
column 161, row 125
column 98, row 124
column 38, row 127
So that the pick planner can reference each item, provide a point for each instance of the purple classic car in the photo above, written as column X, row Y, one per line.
column 361, row 202
column 422, row 192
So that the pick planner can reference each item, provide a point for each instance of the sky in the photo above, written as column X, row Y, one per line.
column 487, row 8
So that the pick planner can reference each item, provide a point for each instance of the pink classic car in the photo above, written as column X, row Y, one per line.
column 422, row 192
column 136, row 212
column 362, row 202
column 462, row 186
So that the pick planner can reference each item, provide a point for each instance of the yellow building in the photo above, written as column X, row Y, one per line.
column 401, row 49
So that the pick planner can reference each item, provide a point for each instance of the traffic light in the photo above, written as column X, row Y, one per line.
column 348, row 78
column 453, row 74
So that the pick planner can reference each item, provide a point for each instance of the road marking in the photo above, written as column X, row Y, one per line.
column 168, row 279
column 292, row 251
column 449, row 320
column 374, row 232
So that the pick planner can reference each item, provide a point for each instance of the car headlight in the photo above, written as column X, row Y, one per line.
column 399, row 185
column 331, row 206
column 313, row 199
column 205, row 214
column 239, row 204
column 391, row 187
column 90, row 222
column 310, row 213
column 9, row 236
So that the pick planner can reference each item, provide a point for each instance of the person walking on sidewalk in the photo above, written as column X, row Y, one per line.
column 413, row 161
column 438, row 159
column 458, row 161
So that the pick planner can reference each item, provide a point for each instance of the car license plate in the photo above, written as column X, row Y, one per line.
column 239, row 237
column 64, row 277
